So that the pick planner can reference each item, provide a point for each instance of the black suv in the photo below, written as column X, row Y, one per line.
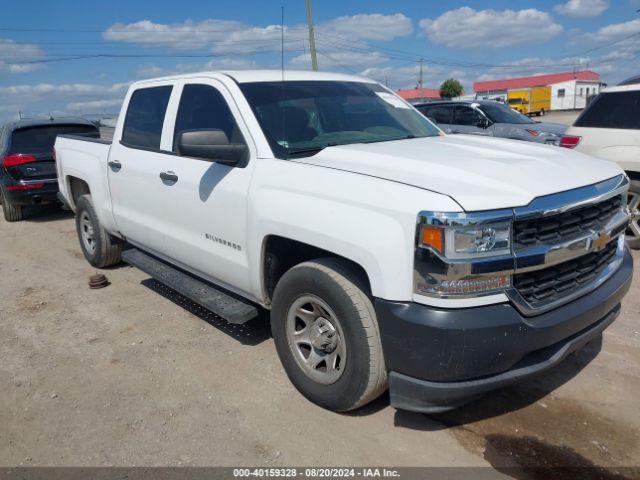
column 27, row 166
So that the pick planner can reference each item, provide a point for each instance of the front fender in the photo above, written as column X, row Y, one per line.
column 369, row 221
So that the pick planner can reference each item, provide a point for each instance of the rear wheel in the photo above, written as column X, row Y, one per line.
column 99, row 247
column 12, row 213
column 633, row 232
column 326, row 334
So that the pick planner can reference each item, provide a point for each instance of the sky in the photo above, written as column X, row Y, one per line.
column 69, row 57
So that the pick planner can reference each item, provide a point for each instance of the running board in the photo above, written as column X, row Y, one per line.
column 230, row 308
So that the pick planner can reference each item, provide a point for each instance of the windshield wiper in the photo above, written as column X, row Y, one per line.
column 312, row 150
column 378, row 140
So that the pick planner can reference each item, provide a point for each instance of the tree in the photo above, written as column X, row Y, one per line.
column 451, row 88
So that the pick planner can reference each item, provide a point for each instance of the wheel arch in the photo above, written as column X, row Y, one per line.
column 280, row 254
column 76, row 187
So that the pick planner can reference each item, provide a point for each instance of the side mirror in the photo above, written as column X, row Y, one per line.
column 211, row 144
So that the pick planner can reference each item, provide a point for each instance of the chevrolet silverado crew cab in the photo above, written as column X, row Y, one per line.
column 389, row 254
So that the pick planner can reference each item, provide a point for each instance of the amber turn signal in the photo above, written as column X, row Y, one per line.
column 433, row 237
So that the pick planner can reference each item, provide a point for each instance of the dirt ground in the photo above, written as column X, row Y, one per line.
column 133, row 374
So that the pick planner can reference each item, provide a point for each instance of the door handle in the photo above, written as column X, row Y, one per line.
column 115, row 165
column 168, row 177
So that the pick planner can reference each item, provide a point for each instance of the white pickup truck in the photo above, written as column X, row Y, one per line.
column 389, row 254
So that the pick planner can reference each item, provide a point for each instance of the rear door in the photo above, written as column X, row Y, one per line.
column 441, row 115
column 137, row 158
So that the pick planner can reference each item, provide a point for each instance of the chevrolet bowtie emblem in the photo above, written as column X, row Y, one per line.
column 601, row 240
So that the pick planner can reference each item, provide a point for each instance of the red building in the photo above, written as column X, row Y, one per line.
column 416, row 95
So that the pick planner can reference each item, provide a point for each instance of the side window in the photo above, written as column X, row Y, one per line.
column 202, row 107
column 561, row 92
column 145, row 116
column 612, row 110
column 439, row 114
column 466, row 116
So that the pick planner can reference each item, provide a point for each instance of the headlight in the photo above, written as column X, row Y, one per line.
column 467, row 242
column 459, row 254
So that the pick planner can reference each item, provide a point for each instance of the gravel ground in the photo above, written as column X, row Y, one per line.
column 135, row 375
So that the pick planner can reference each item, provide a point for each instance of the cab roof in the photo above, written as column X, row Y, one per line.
column 251, row 76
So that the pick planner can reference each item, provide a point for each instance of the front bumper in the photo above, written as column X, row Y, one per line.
column 442, row 358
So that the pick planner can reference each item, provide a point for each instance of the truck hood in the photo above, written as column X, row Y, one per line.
column 479, row 173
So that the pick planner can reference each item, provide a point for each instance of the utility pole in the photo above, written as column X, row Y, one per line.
column 420, row 81
column 312, row 39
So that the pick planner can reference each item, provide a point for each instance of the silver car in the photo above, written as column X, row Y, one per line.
column 487, row 117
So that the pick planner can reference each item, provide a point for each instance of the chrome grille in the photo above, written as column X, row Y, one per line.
column 541, row 287
column 565, row 226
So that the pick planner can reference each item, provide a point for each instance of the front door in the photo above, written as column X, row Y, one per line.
column 208, row 202
column 468, row 120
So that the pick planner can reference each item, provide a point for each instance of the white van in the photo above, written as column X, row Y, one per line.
column 609, row 128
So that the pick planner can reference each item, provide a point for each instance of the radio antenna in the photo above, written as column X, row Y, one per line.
column 282, row 40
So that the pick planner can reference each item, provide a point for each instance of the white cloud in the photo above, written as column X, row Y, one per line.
column 615, row 31
column 345, row 59
column 186, row 35
column 224, row 36
column 17, row 55
column 534, row 66
column 227, row 63
column 65, row 97
column 582, row 8
column 94, row 104
column 407, row 77
column 374, row 26
column 77, row 89
column 468, row 28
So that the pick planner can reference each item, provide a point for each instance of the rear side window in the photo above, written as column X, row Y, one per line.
column 612, row 110
column 145, row 116
column 42, row 138
column 204, row 108
column 439, row 114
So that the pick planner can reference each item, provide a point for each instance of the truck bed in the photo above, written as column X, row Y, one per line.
column 81, row 158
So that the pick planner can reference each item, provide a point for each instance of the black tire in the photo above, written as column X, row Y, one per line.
column 107, row 248
column 12, row 213
column 364, row 376
column 633, row 233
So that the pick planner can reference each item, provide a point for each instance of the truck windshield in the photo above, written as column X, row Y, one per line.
column 300, row 118
column 500, row 113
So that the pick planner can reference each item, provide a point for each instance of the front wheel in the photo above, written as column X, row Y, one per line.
column 99, row 247
column 326, row 334
column 633, row 232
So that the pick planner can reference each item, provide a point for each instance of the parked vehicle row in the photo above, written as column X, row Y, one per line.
column 388, row 254
column 27, row 170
